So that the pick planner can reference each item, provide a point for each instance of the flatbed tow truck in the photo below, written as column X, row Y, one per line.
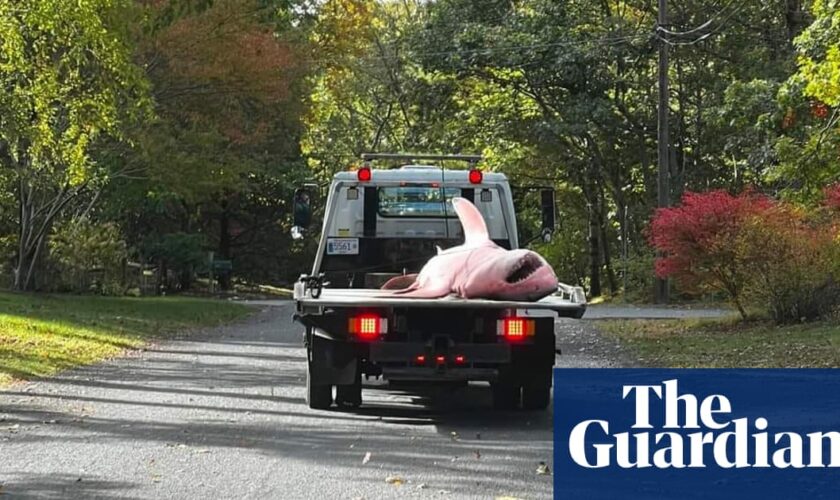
column 383, row 223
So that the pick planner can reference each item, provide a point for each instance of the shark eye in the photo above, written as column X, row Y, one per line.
column 526, row 266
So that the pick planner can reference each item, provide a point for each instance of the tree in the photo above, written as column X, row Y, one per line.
column 700, row 241
column 67, row 83
column 226, row 79
column 810, row 100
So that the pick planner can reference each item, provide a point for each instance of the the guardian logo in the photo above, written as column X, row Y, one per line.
column 692, row 432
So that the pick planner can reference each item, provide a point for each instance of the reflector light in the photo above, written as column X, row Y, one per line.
column 363, row 174
column 514, row 328
column 440, row 360
column 420, row 359
column 367, row 326
column 460, row 360
column 475, row 176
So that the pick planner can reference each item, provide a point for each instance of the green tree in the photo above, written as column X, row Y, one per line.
column 226, row 79
column 67, row 83
column 810, row 101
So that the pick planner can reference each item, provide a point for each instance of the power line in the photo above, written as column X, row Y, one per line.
column 705, row 36
column 703, row 26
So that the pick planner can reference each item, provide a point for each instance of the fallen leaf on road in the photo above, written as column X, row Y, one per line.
column 396, row 480
column 421, row 486
column 202, row 450
column 454, row 436
column 477, row 455
column 542, row 469
column 366, row 459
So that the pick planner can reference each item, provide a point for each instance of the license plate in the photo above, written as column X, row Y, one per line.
column 342, row 246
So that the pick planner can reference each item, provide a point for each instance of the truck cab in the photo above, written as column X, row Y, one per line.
column 385, row 223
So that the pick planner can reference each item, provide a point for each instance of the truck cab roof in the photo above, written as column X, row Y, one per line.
column 422, row 174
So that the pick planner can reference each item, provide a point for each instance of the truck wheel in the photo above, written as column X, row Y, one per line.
column 318, row 396
column 350, row 394
column 505, row 396
column 536, row 392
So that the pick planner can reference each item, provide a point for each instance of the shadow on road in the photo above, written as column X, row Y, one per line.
column 238, row 394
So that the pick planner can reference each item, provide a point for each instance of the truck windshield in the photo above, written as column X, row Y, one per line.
column 417, row 201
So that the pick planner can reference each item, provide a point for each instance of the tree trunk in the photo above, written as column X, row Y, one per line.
column 605, row 247
column 594, row 253
column 224, row 245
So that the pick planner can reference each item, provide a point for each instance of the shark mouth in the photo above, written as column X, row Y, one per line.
column 527, row 266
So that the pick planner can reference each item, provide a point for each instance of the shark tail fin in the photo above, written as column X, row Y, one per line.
column 475, row 230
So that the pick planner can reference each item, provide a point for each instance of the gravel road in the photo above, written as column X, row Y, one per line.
column 220, row 414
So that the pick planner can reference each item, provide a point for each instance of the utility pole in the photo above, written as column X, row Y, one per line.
column 663, row 184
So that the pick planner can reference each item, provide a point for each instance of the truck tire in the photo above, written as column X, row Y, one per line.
column 536, row 391
column 350, row 394
column 318, row 396
column 505, row 396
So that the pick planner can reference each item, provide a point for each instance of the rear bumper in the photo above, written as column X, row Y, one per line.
column 434, row 374
column 396, row 352
column 398, row 361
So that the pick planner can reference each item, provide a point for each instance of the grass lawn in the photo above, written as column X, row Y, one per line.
column 43, row 334
column 727, row 343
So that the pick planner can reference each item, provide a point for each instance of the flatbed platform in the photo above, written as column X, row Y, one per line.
column 350, row 297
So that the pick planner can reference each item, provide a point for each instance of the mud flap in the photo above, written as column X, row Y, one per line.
column 332, row 362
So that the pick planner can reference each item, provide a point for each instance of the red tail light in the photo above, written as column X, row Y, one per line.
column 420, row 360
column 515, row 328
column 367, row 326
column 475, row 176
column 363, row 174
column 460, row 360
column 440, row 360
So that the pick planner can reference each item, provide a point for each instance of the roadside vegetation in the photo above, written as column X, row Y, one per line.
column 153, row 146
column 728, row 343
column 43, row 334
column 774, row 255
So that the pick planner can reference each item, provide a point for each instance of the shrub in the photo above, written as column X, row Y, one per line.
column 832, row 196
column 756, row 250
column 179, row 253
column 697, row 241
column 88, row 256
column 791, row 263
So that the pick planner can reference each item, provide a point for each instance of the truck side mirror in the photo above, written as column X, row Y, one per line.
column 548, row 215
column 301, row 213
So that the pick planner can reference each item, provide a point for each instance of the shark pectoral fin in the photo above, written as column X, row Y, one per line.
column 425, row 292
column 475, row 229
column 400, row 282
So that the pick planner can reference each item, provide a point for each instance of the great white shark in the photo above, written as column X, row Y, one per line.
column 479, row 268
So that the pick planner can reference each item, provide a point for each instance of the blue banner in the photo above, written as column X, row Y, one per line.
column 685, row 434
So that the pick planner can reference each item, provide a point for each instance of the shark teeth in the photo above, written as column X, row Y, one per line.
column 527, row 266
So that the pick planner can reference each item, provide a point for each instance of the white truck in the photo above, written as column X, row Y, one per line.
column 382, row 223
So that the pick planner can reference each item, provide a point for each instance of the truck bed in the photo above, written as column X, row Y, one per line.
column 356, row 297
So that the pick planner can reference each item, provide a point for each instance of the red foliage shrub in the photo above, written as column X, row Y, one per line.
column 752, row 248
column 790, row 261
column 832, row 196
column 698, row 240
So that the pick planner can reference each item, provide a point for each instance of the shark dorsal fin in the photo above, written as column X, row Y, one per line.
column 475, row 230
